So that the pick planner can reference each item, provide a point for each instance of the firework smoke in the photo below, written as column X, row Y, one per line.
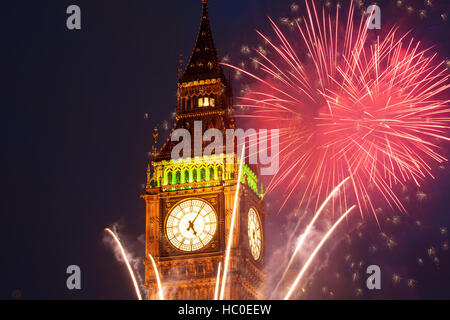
column 308, row 230
column 125, row 258
column 312, row 256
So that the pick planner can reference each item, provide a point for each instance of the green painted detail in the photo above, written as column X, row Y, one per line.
column 252, row 180
column 214, row 168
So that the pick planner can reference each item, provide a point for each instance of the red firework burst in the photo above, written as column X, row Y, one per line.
column 347, row 106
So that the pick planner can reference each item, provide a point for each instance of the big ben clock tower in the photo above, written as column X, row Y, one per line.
column 189, row 201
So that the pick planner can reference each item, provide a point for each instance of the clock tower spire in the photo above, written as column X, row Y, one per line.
column 203, row 91
column 204, row 62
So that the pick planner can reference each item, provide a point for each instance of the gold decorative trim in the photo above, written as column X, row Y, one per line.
column 200, row 82
column 200, row 114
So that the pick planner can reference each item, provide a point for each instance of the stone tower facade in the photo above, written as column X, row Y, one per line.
column 189, row 201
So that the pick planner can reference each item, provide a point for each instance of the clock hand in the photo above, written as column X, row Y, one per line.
column 198, row 213
column 191, row 226
column 196, row 217
column 191, row 223
column 195, row 233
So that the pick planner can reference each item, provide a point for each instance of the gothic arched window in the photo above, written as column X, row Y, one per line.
column 203, row 174
column 195, row 175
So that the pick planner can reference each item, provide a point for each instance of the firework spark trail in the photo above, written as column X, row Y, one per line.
column 308, row 230
column 124, row 255
column 312, row 256
column 369, row 110
column 230, row 235
column 158, row 280
column 216, row 292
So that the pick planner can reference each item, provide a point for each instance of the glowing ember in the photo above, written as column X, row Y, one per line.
column 233, row 218
column 216, row 292
column 158, row 280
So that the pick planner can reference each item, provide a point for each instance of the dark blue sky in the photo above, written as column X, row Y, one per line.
column 74, row 135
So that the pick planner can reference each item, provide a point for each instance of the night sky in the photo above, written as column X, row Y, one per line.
column 75, row 142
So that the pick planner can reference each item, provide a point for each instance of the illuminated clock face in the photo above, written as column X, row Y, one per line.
column 191, row 225
column 254, row 233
